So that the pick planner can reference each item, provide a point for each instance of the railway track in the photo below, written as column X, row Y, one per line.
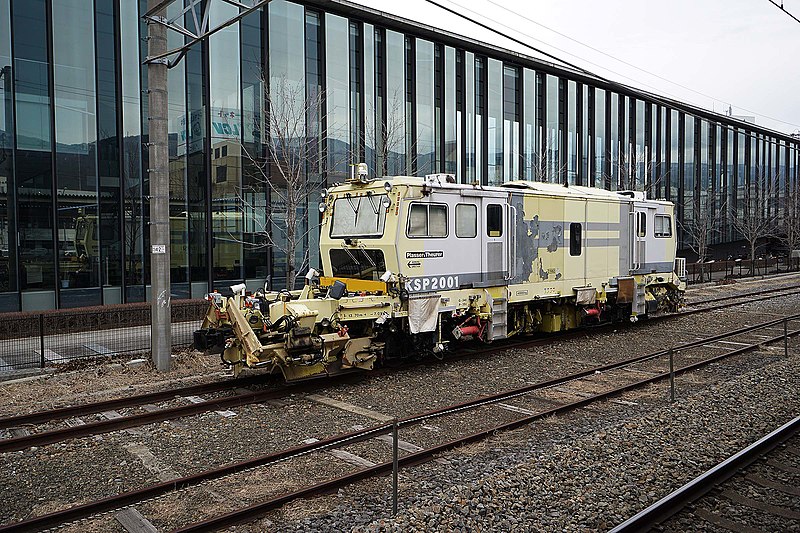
column 610, row 380
column 717, row 479
column 111, row 420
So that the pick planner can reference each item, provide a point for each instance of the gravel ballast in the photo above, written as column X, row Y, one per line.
column 586, row 478
column 478, row 489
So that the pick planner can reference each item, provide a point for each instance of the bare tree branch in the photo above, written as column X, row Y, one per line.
column 291, row 170
column 703, row 224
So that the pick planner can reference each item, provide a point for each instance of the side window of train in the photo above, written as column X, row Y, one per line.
column 494, row 220
column 575, row 238
column 663, row 226
column 427, row 220
column 641, row 224
column 466, row 221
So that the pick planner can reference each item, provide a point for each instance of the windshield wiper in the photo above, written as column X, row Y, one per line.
column 354, row 207
column 364, row 251
column 347, row 250
column 372, row 203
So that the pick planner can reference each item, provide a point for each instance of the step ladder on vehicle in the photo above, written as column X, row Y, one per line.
column 499, row 326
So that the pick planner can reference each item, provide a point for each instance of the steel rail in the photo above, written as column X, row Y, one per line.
column 745, row 295
column 136, row 420
column 140, row 419
column 255, row 511
column 131, row 497
column 119, row 403
column 676, row 501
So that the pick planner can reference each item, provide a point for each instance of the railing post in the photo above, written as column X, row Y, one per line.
column 786, row 337
column 41, row 340
column 395, row 467
column 671, row 377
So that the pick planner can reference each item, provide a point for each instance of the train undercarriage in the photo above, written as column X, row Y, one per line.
column 313, row 333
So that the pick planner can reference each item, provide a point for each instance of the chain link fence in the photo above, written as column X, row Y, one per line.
column 31, row 340
column 740, row 268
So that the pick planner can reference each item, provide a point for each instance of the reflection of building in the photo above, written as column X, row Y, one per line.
column 403, row 97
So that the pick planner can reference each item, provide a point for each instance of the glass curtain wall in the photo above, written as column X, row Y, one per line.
column 287, row 89
column 480, row 120
column 226, row 139
column 469, row 105
column 424, row 145
column 315, row 91
column 109, row 227
column 511, row 112
column 641, row 158
column 337, row 96
column 572, row 133
column 394, row 135
column 76, row 154
column 254, row 189
column 33, row 158
column 689, row 181
column 552, row 139
column 133, row 227
column 662, row 168
column 9, row 300
column 178, row 209
column 614, row 155
column 530, row 153
column 586, row 146
column 356, row 49
column 369, row 100
column 452, row 117
column 494, row 123
column 197, row 186
column 600, row 139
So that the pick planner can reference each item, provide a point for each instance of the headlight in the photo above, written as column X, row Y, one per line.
column 323, row 194
column 387, row 186
column 322, row 207
column 386, row 203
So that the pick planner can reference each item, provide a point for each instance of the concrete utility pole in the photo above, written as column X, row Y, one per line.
column 158, row 62
column 160, row 327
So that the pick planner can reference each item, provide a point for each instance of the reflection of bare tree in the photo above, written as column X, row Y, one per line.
column 390, row 135
column 291, row 158
column 133, row 226
column 788, row 230
column 754, row 221
column 543, row 166
column 633, row 171
column 703, row 224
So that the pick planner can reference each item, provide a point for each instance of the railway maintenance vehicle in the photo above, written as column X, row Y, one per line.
column 415, row 266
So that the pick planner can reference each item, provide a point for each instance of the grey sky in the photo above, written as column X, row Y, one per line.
column 742, row 53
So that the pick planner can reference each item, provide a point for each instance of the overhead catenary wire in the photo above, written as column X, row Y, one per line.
column 627, row 63
column 685, row 108
column 780, row 6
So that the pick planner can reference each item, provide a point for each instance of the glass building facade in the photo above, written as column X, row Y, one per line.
column 405, row 98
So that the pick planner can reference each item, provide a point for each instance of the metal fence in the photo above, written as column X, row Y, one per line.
column 31, row 340
column 740, row 268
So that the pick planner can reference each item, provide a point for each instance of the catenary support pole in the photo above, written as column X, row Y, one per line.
column 158, row 172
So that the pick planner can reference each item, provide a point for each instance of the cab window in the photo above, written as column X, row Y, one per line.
column 663, row 226
column 427, row 220
column 641, row 224
column 494, row 220
column 575, row 238
column 466, row 221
